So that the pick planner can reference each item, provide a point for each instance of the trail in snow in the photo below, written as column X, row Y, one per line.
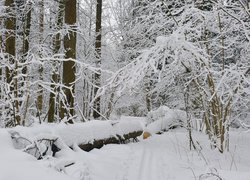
column 167, row 157
column 152, row 159
column 146, row 163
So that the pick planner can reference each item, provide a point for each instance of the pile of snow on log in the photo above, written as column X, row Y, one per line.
column 164, row 118
column 46, row 140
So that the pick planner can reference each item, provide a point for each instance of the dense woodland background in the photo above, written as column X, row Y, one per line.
column 68, row 60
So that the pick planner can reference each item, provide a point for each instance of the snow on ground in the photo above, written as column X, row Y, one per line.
column 160, row 157
column 167, row 156
column 17, row 165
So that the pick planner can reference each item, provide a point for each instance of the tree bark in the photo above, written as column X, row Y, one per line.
column 40, row 68
column 55, row 73
column 10, row 48
column 67, row 108
column 98, row 45
column 10, row 43
column 99, row 143
column 26, row 46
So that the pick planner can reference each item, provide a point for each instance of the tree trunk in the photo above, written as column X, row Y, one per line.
column 40, row 69
column 55, row 73
column 10, row 44
column 10, row 48
column 26, row 30
column 26, row 45
column 1, row 50
column 98, row 45
column 99, row 143
column 67, row 108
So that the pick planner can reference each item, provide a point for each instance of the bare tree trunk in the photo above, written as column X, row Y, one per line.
column 98, row 45
column 24, row 20
column 10, row 44
column 55, row 73
column 69, row 64
column 26, row 45
column 40, row 70
column 148, row 99
column 10, row 47
column 26, row 30
column 110, row 104
column 1, row 50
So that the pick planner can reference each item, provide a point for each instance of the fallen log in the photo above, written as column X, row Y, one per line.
column 99, row 143
column 95, row 134
column 46, row 140
column 164, row 119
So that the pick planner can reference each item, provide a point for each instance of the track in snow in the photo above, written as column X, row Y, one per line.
column 146, row 164
column 161, row 157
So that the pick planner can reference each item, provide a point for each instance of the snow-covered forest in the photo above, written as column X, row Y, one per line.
column 124, row 89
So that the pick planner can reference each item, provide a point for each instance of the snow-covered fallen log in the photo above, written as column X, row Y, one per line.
column 46, row 140
column 95, row 134
column 164, row 118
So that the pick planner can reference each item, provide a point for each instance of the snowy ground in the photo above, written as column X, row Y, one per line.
column 161, row 157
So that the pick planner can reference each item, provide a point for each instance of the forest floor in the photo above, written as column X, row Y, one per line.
column 160, row 157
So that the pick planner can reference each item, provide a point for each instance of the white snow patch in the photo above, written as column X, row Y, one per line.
column 18, row 165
